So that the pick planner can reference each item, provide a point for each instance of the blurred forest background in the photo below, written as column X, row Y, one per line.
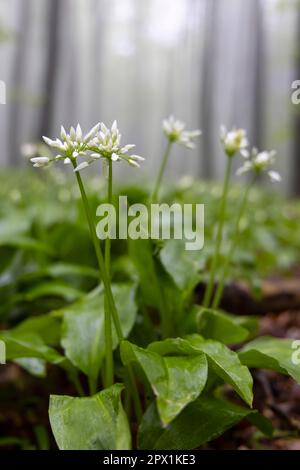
column 209, row 62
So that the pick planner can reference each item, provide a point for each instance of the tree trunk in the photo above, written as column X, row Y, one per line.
column 15, row 118
column 207, row 83
column 52, row 50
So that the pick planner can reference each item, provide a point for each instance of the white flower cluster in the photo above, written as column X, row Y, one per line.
column 99, row 142
column 175, row 132
column 107, row 144
column 259, row 162
column 234, row 141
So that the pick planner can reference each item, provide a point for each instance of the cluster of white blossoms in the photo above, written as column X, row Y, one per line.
column 259, row 162
column 107, row 144
column 70, row 146
column 99, row 142
column 234, row 141
column 175, row 132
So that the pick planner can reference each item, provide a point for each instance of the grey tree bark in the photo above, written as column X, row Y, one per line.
column 50, row 74
column 208, row 72
column 20, row 59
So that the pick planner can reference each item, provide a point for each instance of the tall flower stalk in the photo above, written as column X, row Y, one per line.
column 161, row 172
column 234, row 243
column 109, row 296
column 233, row 142
column 107, row 146
column 255, row 163
column 109, row 372
column 175, row 132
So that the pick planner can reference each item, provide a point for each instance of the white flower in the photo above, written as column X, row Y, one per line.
column 275, row 177
column 40, row 162
column 70, row 146
column 99, row 142
column 175, row 132
column 234, row 141
column 81, row 166
column 259, row 162
column 107, row 144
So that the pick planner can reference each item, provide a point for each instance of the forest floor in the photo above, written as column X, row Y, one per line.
column 276, row 396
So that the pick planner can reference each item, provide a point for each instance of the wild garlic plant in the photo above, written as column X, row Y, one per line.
column 175, row 132
column 256, row 163
column 98, row 144
column 233, row 142
column 181, row 407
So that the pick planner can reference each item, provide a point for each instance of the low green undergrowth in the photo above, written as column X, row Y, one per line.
column 147, row 363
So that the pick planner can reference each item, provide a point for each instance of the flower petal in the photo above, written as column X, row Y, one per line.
column 137, row 158
column 78, row 133
column 81, row 166
column 275, row 176
column 63, row 133
column 91, row 134
column 72, row 133
column 133, row 162
column 40, row 160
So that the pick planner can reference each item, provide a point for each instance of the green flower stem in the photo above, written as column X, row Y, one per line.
column 234, row 243
column 76, row 382
column 109, row 369
column 103, row 273
column 161, row 172
column 210, row 285
column 165, row 322
column 106, row 281
column 92, row 381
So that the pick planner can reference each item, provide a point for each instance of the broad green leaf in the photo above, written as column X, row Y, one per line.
column 174, row 346
column 83, row 335
column 141, row 253
column 52, row 289
column 272, row 353
column 175, row 380
column 25, row 243
column 214, row 324
column 251, row 324
column 90, row 423
column 71, row 243
column 157, row 287
column 227, row 365
column 48, row 327
column 201, row 421
column 182, row 265
column 66, row 269
column 224, row 362
column 21, row 344
column 24, row 345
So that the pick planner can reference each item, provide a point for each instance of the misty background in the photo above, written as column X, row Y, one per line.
column 208, row 62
